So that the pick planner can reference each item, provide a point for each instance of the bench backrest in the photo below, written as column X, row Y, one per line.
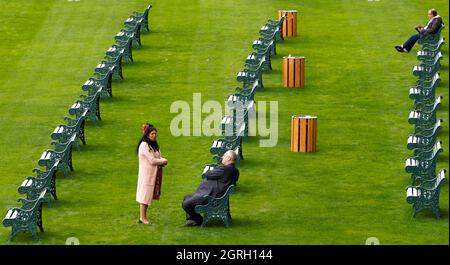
column 221, row 199
column 437, row 148
column 32, row 205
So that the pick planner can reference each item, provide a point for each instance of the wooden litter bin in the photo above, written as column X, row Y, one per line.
column 294, row 71
column 303, row 134
column 289, row 28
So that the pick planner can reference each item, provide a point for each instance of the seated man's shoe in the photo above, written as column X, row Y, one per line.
column 191, row 223
column 399, row 48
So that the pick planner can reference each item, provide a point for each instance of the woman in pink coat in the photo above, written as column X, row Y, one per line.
column 150, row 171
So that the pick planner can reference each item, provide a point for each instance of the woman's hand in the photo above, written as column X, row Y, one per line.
column 165, row 162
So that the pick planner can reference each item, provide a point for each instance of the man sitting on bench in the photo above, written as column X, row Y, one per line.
column 433, row 26
column 214, row 184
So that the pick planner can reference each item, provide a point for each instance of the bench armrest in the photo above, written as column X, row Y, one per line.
column 70, row 119
column 38, row 170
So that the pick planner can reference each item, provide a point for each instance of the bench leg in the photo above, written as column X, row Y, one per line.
column 82, row 135
column 39, row 223
column 49, row 201
column 66, row 171
column 226, row 221
column 97, row 111
column 77, row 145
column 70, row 164
column 13, row 234
column 437, row 212
column 53, row 187
column 120, row 73
column 205, row 220
column 33, row 233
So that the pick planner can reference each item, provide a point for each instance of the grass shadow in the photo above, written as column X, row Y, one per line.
column 234, row 222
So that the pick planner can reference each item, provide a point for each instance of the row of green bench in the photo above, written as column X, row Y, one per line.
column 423, row 193
column 242, row 105
column 39, row 188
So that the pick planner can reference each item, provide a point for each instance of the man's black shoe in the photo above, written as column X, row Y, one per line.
column 399, row 48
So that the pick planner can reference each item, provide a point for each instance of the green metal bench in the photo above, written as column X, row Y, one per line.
column 216, row 208
column 103, row 79
column 426, row 55
column 425, row 92
column 272, row 29
column 426, row 71
column 27, row 218
column 114, row 51
column 263, row 49
column 422, row 141
column 263, row 45
column 429, row 58
column 99, row 83
column 133, row 30
column 248, row 76
column 269, row 35
column 232, row 128
column 424, row 163
column 62, row 153
column 32, row 186
column 132, row 21
column 125, row 35
column 429, row 153
column 241, row 112
column 113, row 62
column 426, row 195
column 424, row 119
column 430, row 107
column 64, row 132
column 252, row 61
column 104, row 68
column 144, row 16
column 428, row 130
column 244, row 95
column 435, row 47
column 276, row 23
column 256, row 56
column 90, row 103
column 125, row 47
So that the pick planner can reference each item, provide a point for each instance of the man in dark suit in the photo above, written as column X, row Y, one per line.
column 433, row 26
column 215, row 183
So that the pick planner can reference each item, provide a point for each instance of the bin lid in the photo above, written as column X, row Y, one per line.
column 293, row 56
column 304, row 117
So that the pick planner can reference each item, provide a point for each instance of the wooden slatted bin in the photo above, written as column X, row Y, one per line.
column 289, row 28
column 294, row 71
column 303, row 134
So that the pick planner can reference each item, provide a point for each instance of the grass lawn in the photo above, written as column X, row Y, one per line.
column 351, row 189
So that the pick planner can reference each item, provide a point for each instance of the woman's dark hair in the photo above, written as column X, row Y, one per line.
column 147, row 128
